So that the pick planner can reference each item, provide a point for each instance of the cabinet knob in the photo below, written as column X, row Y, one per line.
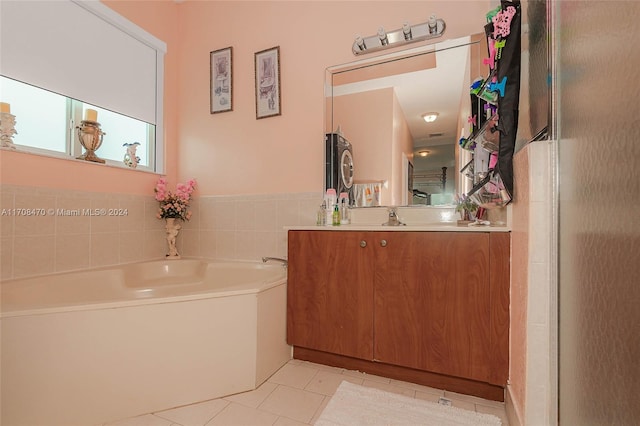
column 363, row 243
column 383, row 243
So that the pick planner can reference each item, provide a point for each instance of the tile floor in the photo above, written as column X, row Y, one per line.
column 296, row 395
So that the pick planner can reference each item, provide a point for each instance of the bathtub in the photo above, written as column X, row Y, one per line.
column 90, row 347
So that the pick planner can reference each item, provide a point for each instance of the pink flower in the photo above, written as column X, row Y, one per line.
column 174, row 205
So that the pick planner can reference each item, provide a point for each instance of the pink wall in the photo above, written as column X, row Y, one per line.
column 378, row 146
column 19, row 168
column 371, row 143
column 232, row 152
column 402, row 144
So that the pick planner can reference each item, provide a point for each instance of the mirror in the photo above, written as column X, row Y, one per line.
column 378, row 106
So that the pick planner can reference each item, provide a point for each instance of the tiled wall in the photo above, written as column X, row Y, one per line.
column 245, row 227
column 46, row 241
column 38, row 239
column 532, row 297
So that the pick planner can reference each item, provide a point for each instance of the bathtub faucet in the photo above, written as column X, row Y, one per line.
column 284, row 262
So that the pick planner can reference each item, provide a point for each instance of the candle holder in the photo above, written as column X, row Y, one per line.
column 7, row 129
column 90, row 136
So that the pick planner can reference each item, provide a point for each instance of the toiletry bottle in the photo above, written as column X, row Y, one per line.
column 336, row 215
column 330, row 201
column 322, row 215
column 344, row 208
column 344, row 212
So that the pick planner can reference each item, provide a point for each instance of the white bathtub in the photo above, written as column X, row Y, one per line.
column 90, row 347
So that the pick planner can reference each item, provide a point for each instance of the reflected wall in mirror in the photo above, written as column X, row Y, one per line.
column 378, row 104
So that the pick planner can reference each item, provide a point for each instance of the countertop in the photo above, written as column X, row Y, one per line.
column 426, row 227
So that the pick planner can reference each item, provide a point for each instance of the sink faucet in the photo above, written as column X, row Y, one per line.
column 284, row 262
column 393, row 218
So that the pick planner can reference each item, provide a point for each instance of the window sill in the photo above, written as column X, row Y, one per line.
column 61, row 156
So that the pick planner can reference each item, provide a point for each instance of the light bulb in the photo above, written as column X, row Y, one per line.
column 382, row 35
column 430, row 117
column 406, row 30
column 433, row 24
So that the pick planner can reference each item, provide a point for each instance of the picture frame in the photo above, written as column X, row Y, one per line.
column 267, row 76
column 221, row 76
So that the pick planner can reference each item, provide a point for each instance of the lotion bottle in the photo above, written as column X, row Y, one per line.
column 321, row 220
column 344, row 208
column 330, row 202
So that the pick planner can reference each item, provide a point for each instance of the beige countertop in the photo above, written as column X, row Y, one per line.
column 426, row 227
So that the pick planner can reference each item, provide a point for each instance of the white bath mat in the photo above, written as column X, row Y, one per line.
column 354, row 405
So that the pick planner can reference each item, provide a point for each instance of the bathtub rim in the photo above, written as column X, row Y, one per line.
column 227, row 291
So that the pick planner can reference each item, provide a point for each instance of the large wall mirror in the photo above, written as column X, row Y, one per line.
column 378, row 105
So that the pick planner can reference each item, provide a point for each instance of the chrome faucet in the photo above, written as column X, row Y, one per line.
column 284, row 262
column 394, row 220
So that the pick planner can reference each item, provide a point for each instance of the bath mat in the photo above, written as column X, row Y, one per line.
column 354, row 405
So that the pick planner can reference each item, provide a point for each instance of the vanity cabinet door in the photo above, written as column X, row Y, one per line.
column 432, row 302
column 330, row 292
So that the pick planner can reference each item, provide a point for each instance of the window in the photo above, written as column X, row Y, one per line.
column 121, row 129
column 85, row 51
column 41, row 116
column 46, row 123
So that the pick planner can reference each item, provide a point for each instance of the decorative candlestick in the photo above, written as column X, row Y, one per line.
column 90, row 136
column 7, row 127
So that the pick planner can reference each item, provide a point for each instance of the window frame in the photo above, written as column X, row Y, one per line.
column 156, row 145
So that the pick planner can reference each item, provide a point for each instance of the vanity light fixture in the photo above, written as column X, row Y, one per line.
column 430, row 117
column 433, row 28
column 423, row 153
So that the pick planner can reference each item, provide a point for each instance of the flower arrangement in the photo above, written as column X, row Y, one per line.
column 174, row 205
column 465, row 207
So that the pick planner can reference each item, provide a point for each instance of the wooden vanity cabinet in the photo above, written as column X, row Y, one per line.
column 436, row 302
column 330, row 304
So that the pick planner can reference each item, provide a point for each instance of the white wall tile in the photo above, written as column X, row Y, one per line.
column 36, row 224
column 538, row 294
column 266, row 215
column 225, row 215
column 105, row 249
column 33, row 255
column 73, row 252
column 7, row 218
column 267, row 244
column 226, row 244
column 131, row 246
column 6, row 258
column 70, row 215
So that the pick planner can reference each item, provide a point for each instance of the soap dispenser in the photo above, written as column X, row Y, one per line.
column 336, row 215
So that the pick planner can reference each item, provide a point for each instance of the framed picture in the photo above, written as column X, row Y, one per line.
column 221, row 73
column 268, row 82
